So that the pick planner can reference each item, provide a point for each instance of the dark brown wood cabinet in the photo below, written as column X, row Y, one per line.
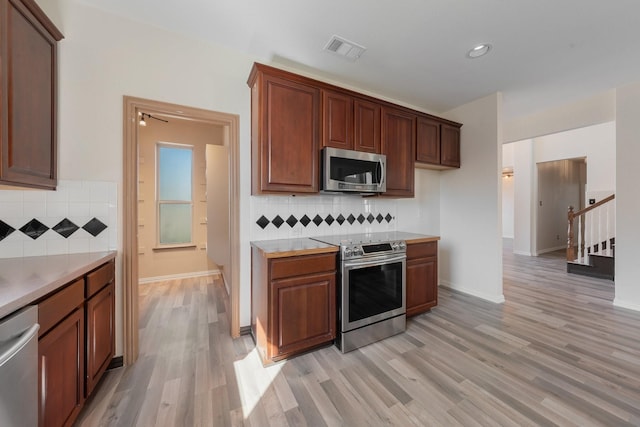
column 450, row 145
column 350, row 123
column 61, row 356
column 422, row 277
column 437, row 144
column 285, row 133
column 28, row 78
column 293, row 303
column 337, row 120
column 398, row 144
column 76, row 344
column 293, row 117
column 100, row 324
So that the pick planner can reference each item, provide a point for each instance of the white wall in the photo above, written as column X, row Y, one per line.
column 627, row 199
column 596, row 109
column 524, row 183
column 470, row 204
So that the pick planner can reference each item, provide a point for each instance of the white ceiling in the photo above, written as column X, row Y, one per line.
column 545, row 52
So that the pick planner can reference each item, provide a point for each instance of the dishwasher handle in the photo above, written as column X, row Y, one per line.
column 20, row 342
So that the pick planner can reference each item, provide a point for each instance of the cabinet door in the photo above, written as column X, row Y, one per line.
column 337, row 119
column 303, row 313
column 367, row 126
column 428, row 141
column 100, row 335
column 450, row 146
column 61, row 369
column 289, row 137
column 398, row 143
column 28, row 130
column 422, row 285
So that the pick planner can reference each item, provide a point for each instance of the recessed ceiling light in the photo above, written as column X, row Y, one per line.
column 479, row 50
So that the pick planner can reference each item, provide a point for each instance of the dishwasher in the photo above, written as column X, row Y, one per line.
column 19, row 369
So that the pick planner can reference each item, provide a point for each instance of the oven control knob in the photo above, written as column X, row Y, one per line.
column 403, row 246
column 394, row 246
column 358, row 252
column 347, row 252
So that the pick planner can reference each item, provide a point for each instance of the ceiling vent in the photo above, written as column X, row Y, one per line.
column 345, row 48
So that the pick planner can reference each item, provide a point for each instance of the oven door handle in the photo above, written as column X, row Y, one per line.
column 376, row 261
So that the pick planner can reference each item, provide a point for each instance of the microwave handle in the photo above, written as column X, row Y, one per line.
column 382, row 177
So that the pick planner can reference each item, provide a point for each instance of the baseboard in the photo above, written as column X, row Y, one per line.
column 522, row 253
column 178, row 276
column 617, row 302
column 497, row 299
column 116, row 362
column 245, row 330
column 544, row 251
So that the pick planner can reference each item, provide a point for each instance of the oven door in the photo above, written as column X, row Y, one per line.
column 373, row 289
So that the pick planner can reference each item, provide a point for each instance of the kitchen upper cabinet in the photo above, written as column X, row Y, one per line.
column 28, row 79
column 367, row 125
column 398, row 144
column 350, row 123
column 293, row 303
column 437, row 144
column 337, row 120
column 285, row 132
column 422, row 277
column 450, row 145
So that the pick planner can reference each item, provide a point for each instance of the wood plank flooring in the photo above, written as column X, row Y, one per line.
column 555, row 353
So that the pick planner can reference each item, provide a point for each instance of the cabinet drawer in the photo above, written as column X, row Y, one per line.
column 97, row 279
column 55, row 308
column 422, row 250
column 302, row 265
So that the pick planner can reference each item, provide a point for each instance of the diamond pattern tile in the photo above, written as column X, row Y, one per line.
column 94, row 227
column 277, row 221
column 388, row 218
column 340, row 219
column 379, row 218
column 65, row 228
column 361, row 218
column 5, row 230
column 34, row 229
column 262, row 222
column 351, row 218
column 329, row 219
column 370, row 218
column 317, row 220
column 292, row 220
column 305, row 220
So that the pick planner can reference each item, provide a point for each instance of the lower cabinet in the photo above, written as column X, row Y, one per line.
column 100, row 334
column 293, row 303
column 422, row 277
column 61, row 367
column 76, row 344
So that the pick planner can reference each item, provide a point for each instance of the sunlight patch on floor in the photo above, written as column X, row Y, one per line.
column 253, row 379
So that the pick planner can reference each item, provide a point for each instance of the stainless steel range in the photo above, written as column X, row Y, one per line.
column 372, row 294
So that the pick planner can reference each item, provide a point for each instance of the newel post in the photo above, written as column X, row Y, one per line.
column 571, row 253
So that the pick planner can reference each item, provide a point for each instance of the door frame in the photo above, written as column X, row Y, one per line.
column 132, row 106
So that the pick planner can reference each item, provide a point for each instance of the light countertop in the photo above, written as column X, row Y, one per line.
column 282, row 248
column 25, row 280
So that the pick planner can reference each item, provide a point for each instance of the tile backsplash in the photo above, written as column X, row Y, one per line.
column 80, row 216
column 281, row 217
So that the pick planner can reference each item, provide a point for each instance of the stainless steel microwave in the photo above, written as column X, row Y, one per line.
column 353, row 171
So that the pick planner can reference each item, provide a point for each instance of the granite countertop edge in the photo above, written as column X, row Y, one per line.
column 25, row 280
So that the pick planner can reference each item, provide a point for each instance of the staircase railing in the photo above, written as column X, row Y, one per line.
column 595, row 226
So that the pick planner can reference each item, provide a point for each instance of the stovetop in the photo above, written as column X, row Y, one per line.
column 354, row 246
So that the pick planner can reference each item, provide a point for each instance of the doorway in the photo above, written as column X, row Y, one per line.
column 230, row 122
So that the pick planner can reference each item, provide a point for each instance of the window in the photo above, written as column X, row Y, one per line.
column 174, row 194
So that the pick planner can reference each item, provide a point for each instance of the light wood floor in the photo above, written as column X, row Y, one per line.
column 556, row 353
